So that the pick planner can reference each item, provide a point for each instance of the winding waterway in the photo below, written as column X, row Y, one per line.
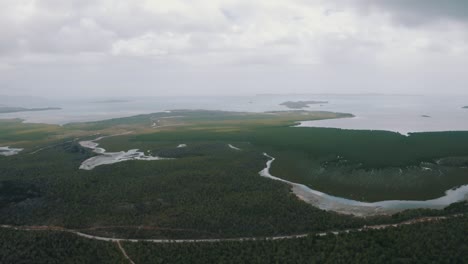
column 347, row 206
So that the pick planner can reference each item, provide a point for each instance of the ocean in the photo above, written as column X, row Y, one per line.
column 398, row 113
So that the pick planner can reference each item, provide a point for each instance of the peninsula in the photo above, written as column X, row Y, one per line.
column 8, row 109
column 301, row 104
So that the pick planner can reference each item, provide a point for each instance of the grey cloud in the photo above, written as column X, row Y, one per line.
column 217, row 46
column 419, row 12
column 45, row 26
column 57, row 26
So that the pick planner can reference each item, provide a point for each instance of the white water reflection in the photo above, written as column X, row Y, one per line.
column 402, row 114
column 105, row 158
column 7, row 151
column 347, row 206
column 233, row 147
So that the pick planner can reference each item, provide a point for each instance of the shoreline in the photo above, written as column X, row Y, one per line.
column 362, row 209
column 352, row 121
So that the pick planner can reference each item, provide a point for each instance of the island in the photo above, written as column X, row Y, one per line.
column 9, row 109
column 301, row 104
column 465, row 107
column 425, row 116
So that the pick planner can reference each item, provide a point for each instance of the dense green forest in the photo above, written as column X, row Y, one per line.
column 209, row 189
column 362, row 165
column 45, row 247
column 213, row 191
column 432, row 242
column 443, row 242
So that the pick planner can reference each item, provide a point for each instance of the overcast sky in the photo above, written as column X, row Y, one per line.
column 191, row 47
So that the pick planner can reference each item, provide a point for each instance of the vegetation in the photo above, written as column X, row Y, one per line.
column 7, row 109
column 209, row 189
column 54, row 247
column 443, row 242
column 301, row 104
column 430, row 242
column 363, row 165
column 14, row 133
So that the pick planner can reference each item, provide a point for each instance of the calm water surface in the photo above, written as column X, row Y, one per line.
column 402, row 114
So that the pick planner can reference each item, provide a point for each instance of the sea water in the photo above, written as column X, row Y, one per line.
column 399, row 113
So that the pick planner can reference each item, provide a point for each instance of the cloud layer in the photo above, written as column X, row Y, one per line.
column 228, row 47
column 419, row 12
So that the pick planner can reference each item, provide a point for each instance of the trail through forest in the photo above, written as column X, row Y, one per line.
column 215, row 240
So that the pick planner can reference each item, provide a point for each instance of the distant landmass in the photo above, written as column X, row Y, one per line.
column 8, row 109
column 301, row 104
column 466, row 107
column 427, row 116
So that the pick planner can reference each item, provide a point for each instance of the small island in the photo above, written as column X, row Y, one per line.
column 301, row 104
column 465, row 107
column 426, row 116
column 8, row 109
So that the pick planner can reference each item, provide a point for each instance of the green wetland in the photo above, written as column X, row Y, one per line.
column 209, row 185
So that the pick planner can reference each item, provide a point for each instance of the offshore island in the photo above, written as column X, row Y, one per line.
column 301, row 104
